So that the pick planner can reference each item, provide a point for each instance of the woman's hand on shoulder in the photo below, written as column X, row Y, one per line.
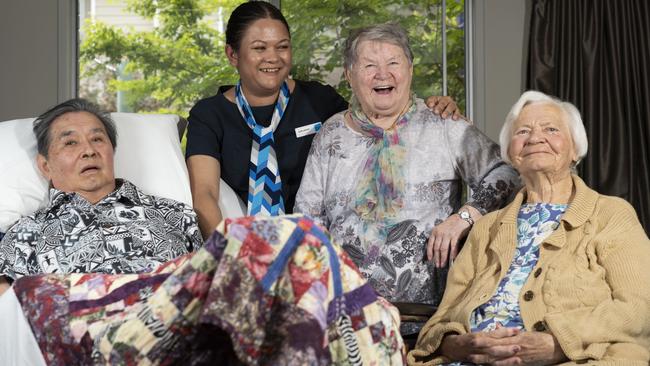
column 444, row 106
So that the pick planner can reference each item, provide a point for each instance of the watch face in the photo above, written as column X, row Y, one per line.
column 464, row 215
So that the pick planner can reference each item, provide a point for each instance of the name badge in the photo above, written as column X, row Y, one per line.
column 308, row 129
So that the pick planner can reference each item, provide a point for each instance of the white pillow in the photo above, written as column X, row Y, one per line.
column 229, row 202
column 148, row 154
column 22, row 188
column 160, row 166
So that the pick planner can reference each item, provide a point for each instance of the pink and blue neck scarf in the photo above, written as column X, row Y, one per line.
column 264, row 182
column 380, row 191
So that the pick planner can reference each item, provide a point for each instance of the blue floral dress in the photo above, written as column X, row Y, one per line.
column 535, row 222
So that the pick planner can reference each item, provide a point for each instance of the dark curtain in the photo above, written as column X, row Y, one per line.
column 596, row 54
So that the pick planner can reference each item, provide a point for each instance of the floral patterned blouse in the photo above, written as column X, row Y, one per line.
column 441, row 156
column 536, row 221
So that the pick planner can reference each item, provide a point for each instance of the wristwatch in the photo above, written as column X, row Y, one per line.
column 464, row 214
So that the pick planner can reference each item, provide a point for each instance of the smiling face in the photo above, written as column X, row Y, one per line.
column 381, row 78
column 541, row 141
column 80, row 156
column 263, row 59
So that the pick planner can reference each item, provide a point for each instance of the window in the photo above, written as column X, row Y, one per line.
column 163, row 55
column 319, row 29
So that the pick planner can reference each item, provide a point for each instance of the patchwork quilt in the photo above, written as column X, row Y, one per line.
column 262, row 291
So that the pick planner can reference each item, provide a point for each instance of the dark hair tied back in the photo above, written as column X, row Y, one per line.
column 245, row 15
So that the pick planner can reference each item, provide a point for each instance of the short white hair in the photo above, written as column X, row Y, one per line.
column 573, row 119
column 391, row 33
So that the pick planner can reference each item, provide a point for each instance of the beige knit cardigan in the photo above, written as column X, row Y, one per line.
column 590, row 287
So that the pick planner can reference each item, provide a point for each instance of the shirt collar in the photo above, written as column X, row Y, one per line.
column 577, row 213
column 125, row 192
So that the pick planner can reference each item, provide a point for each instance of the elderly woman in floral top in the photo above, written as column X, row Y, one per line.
column 386, row 176
column 558, row 276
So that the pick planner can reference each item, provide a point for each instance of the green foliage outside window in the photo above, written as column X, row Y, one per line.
column 182, row 60
column 319, row 30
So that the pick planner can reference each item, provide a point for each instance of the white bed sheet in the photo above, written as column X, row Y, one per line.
column 18, row 345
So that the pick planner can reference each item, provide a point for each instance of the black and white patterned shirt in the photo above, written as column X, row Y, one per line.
column 128, row 231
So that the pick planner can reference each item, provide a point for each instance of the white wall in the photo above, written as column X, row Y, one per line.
column 37, row 53
column 500, row 44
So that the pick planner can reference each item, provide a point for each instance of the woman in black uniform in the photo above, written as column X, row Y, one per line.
column 256, row 135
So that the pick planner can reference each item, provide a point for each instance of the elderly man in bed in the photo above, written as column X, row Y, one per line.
column 94, row 222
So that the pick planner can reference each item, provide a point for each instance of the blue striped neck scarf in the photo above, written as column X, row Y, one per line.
column 264, row 183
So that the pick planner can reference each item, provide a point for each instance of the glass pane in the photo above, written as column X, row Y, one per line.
column 152, row 55
column 319, row 28
column 164, row 55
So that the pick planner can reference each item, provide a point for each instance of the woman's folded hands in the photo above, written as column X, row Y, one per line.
column 503, row 347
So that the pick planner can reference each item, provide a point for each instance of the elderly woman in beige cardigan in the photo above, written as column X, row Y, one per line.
column 560, row 276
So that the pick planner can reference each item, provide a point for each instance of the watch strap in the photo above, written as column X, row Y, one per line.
column 466, row 216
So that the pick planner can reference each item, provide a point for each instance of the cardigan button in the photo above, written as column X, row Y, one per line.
column 529, row 295
column 539, row 326
column 538, row 272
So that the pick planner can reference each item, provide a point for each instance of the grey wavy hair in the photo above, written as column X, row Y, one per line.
column 392, row 33
column 573, row 119
column 43, row 123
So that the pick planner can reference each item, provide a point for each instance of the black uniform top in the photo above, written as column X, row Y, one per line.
column 216, row 128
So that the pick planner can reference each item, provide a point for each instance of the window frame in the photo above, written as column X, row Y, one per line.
column 68, row 51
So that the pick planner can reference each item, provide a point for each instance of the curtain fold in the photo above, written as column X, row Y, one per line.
column 596, row 54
